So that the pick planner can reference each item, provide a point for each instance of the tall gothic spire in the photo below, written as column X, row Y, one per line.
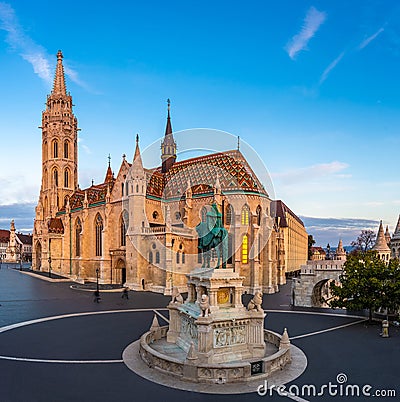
column 168, row 128
column 59, row 87
column 168, row 146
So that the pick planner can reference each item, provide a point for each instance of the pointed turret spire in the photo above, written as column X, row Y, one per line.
column 59, row 87
column 168, row 146
column 137, row 155
column 397, row 230
column 380, row 244
column 387, row 235
column 340, row 252
column 168, row 128
column 109, row 175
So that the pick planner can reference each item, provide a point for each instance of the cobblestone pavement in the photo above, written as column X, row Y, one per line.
column 52, row 360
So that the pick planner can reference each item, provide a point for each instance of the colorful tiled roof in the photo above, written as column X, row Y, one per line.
column 95, row 194
column 55, row 225
column 201, row 172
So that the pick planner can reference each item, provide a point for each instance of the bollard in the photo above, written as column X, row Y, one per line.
column 385, row 329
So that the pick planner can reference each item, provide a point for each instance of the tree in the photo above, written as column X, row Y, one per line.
column 364, row 241
column 311, row 242
column 367, row 283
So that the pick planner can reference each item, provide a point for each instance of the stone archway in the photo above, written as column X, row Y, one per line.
column 38, row 256
column 120, row 272
column 321, row 293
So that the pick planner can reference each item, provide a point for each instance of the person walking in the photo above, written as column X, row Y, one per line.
column 96, row 297
column 125, row 294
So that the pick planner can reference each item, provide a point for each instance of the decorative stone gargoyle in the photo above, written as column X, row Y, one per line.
column 176, row 296
column 205, row 305
column 256, row 302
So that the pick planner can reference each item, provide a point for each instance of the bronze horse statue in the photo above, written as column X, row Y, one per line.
column 212, row 235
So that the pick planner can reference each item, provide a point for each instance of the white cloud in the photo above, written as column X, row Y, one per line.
column 19, row 188
column 313, row 20
column 23, row 44
column 368, row 40
column 331, row 66
column 311, row 172
column 28, row 49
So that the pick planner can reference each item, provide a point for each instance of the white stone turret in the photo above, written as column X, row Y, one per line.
column 381, row 246
column 340, row 252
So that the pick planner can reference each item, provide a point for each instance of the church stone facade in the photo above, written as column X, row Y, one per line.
column 138, row 227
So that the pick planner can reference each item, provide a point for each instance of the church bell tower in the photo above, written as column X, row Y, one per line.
column 59, row 146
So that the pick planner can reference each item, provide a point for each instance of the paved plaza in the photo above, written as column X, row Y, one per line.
column 72, row 351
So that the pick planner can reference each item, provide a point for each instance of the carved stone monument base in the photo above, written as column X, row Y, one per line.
column 212, row 336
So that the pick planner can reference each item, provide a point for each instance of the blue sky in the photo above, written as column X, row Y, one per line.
column 312, row 85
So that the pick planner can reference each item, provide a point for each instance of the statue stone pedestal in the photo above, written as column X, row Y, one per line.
column 216, row 328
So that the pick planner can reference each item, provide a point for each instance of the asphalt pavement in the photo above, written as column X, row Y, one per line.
column 53, row 359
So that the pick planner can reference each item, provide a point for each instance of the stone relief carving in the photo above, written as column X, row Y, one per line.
column 188, row 327
column 229, row 336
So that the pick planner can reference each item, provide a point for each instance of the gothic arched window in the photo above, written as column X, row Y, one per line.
column 55, row 149
column 66, row 178
column 45, row 178
column 258, row 212
column 78, row 231
column 55, row 177
column 157, row 257
column 123, row 225
column 230, row 249
column 245, row 245
column 99, row 235
column 245, row 215
column 229, row 215
column 150, row 257
column 66, row 149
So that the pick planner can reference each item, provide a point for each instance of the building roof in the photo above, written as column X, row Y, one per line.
column 231, row 167
column 396, row 234
column 380, row 243
column 55, row 225
column 59, row 87
column 280, row 209
column 4, row 236
column 318, row 249
column 95, row 194
column 25, row 239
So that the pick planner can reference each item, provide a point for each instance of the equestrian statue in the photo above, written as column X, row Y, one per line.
column 212, row 235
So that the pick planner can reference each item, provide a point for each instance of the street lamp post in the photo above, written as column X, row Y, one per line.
column 328, row 247
column 20, row 257
column 49, row 260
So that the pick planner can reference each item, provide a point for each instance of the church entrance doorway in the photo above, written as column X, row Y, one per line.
column 120, row 272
